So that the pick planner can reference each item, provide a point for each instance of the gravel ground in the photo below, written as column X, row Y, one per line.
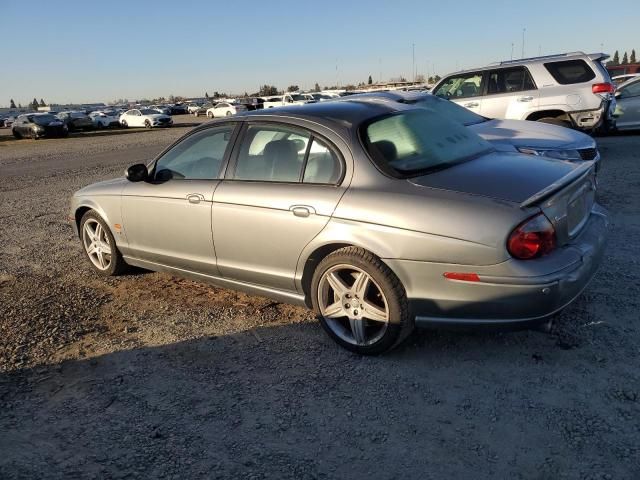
column 149, row 376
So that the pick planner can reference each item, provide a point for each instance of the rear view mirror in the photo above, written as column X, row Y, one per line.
column 137, row 172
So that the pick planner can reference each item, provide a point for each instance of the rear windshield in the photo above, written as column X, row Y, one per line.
column 43, row 119
column 416, row 142
column 570, row 71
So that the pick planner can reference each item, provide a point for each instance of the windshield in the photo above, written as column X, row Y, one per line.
column 298, row 97
column 43, row 119
column 77, row 114
column 417, row 141
column 451, row 110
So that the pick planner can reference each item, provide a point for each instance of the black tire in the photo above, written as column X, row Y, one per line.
column 147, row 124
column 34, row 135
column 16, row 134
column 117, row 264
column 124, row 124
column 228, row 114
column 400, row 325
column 556, row 121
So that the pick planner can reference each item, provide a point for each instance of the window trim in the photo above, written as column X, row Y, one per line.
column 485, row 80
column 242, row 133
column 151, row 166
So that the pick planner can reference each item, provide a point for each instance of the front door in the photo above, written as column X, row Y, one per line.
column 464, row 89
column 628, row 106
column 167, row 220
column 279, row 194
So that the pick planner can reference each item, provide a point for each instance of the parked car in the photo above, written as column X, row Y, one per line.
column 201, row 110
column 76, row 120
column 321, row 97
column 193, row 108
column 144, row 118
column 620, row 79
column 252, row 103
column 38, row 125
column 398, row 217
column 9, row 121
column 531, row 138
column 286, row 99
column 225, row 109
column 628, row 105
column 623, row 69
column 105, row 119
column 165, row 110
column 572, row 89
column 178, row 109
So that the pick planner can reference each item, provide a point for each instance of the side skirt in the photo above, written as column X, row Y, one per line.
column 283, row 296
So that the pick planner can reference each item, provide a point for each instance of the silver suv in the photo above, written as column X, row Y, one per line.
column 570, row 89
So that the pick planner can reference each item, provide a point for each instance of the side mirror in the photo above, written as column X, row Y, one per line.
column 137, row 172
column 618, row 94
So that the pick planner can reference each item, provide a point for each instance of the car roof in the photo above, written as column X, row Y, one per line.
column 532, row 60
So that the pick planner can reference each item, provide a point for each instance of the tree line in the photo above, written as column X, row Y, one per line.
column 34, row 104
column 625, row 59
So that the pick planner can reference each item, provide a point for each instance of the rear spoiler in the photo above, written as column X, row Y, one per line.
column 598, row 57
column 582, row 171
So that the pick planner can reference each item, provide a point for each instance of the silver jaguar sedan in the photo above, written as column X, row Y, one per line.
column 380, row 216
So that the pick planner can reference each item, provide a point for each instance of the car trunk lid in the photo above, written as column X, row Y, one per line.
column 564, row 191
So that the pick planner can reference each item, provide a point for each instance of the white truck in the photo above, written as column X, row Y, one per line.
column 286, row 99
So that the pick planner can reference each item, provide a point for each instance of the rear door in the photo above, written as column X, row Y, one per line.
column 628, row 106
column 464, row 89
column 278, row 194
column 509, row 93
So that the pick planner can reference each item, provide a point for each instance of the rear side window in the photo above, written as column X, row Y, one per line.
column 570, row 71
column 509, row 80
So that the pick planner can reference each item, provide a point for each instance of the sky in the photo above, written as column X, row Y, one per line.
column 94, row 51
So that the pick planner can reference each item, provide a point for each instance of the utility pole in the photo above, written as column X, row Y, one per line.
column 523, row 32
column 413, row 61
column 512, row 45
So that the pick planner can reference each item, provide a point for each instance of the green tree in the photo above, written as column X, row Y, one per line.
column 370, row 80
column 632, row 59
column 625, row 59
column 293, row 88
column 616, row 59
column 267, row 90
column 206, row 95
column 317, row 87
column 34, row 104
column 13, row 104
column 42, row 104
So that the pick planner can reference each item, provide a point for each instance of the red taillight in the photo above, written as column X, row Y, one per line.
column 603, row 88
column 466, row 277
column 532, row 238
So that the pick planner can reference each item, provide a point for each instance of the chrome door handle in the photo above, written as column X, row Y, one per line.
column 301, row 210
column 471, row 104
column 195, row 198
column 525, row 99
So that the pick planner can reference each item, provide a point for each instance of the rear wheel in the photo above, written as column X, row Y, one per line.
column 228, row 113
column 147, row 124
column 209, row 114
column 124, row 124
column 34, row 135
column 100, row 246
column 360, row 302
column 555, row 121
column 16, row 134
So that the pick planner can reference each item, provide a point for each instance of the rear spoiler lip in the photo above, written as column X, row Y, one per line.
column 570, row 177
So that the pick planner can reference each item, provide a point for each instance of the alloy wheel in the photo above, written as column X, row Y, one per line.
column 353, row 305
column 96, row 244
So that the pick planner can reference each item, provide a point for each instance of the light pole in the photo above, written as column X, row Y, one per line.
column 512, row 45
column 413, row 61
column 523, row 32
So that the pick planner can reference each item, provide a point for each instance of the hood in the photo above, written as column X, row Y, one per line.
column 513, row 177
column 523, row 133
column 107, row 187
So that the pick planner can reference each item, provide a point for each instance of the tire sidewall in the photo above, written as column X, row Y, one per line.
column 116, row 259
column 397, row 314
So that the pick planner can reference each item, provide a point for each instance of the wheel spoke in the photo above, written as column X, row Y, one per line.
column 373, row 312
column 357, row 328
column 101, row 260
column 334, row 310
column 91, row 234
column 98, row 232
column 339, row 287
column 92, row 248
column 360, row 285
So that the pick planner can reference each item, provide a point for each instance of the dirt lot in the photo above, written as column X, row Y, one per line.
column 148, row 376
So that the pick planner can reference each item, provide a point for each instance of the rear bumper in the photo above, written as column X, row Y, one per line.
column 514, row 301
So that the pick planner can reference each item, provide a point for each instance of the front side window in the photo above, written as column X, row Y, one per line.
column 419, row 141
column 509, row 80
column 197, row 157
column 274, row 153
column 460, row 86
column 632, row 90
column 570, row 71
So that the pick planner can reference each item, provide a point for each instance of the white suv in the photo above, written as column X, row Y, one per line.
column 571, row 89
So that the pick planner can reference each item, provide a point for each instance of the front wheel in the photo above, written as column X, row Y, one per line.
column 209, row 114
column 228, row 113
column 16, row 134
column 360, row 302
column 147, row 124
column 124, row 124
column 100, row 246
